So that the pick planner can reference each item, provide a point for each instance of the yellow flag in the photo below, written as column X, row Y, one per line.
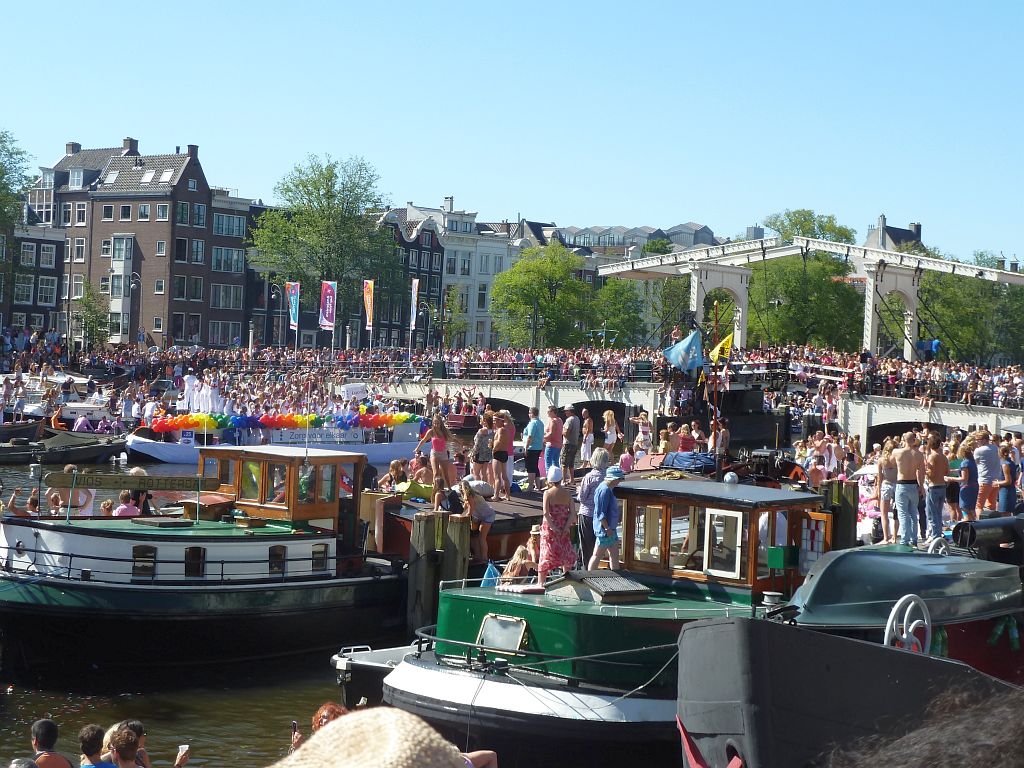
column 722, row 349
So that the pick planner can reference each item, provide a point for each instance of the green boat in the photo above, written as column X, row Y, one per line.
column 266, row 561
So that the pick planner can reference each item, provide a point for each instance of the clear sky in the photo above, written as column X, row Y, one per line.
column 575, row 112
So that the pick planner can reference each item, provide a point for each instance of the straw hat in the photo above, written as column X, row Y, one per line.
column 380, row 737
column 535, row 530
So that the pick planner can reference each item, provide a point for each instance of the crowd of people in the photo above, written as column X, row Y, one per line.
column 123, row 745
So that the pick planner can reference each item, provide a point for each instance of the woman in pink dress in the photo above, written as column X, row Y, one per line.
column 556, row 550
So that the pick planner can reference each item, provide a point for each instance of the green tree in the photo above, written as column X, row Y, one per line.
column 669, row 298
column 457, row 325
column 619, row 311
column 94, row 310
column 658, row 246
column 804, row 222
column 541, row 298
column 325, row 229
column 13, row 181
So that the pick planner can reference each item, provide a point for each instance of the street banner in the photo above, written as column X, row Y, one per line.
column 292, row 291
column 328, row 303
column 368, row 303
column 412, row 307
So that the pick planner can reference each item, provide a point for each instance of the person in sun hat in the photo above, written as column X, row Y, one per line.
column 556, row 550
column 382, row 737
column 606, row 520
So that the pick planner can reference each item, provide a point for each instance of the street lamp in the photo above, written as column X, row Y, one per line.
column 277, row 290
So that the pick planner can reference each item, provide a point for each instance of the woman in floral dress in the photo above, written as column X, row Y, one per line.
column 556, row 549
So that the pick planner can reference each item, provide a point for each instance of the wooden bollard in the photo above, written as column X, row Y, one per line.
column 421, row 605
column 455, row 564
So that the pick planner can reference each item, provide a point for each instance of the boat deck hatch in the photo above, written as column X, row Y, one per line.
column 611, row 587
column 163, row 522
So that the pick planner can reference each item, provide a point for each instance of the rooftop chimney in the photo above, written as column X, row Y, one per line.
column 177, row 150
column 449, row 204
column 193, row 151
column 72, row 148
column 916, row 229
column 130, row 146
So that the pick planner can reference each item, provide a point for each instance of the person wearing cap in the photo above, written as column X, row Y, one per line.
column 556, row 550
column 570, row 444
column 606, row 520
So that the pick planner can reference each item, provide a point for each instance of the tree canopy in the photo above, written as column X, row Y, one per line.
column 325, row 229
column 14, row 180
column 803, row 222
column 617, row 308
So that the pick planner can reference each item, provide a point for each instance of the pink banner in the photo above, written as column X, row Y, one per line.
column 328, row 304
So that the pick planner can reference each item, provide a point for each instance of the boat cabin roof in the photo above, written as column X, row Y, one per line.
column 281, row 452
column 703, row 493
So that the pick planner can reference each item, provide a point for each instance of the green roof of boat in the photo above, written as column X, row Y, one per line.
column 707, row 493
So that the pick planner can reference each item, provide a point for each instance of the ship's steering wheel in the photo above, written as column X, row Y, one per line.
column 901, row 627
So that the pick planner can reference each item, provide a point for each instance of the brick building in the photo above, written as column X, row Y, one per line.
column 31, row 266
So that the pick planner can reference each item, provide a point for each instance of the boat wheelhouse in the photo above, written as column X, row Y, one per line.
column 267, row 560
column 590, row 656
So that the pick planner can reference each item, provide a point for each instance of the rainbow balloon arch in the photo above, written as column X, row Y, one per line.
column 207, row 422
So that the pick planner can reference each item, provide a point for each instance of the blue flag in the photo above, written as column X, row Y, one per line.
column 686, row 355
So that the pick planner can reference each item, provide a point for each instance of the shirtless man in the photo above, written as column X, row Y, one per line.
column 936, row 467
column 909, row 486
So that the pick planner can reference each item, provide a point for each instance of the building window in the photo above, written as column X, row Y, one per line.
column 499, row 264
column 126, row 213
column 481, row 296
column 435, row 285
column 225, row 296
column 223, row 333
column 64, row 286
column 178, row 326
column 77, row 286
column 464, row 300
column 180, row 288
column 47, row 181
column 65, row 214
column 195, row 562
column 75, row 178
column 28, row 254
column 227, row 259
column 48, row 256
column 79, row 214
column 228, row 226
column 481, row 332
column 3, row 247
column 46, row 295
column 466, row 226
column 425, row 239
column 79, row 250
column 108, row 213
column 464, row 263
column 450, row 264
column 158, row 286
column 198, row 251
column 165, row 175
column 192, row 185
column 123, row 247
column 425, row 260
column 194, row 334
column 67, row 251
column 24, row 289
column 19, row 319
column 181, row 249
column 181, row 214
column 147, row 177
column 116, row 286
column 114, row 323
column 485, row 263
column 143, row 211
column 37, row 322
column 453, row 225
column 198, row 215
column 195, row 288
column 105, row 247
column 413, row 258
column 158, row 325
column 161, row 247
column 105, row 284
column 435, row 262
column 162, row 211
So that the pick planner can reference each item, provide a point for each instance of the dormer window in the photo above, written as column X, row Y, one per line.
column 47, row 180
column 75, row 179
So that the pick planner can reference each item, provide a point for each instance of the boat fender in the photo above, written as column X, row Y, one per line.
column 19, row 441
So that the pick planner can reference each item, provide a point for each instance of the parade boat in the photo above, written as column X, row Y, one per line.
column 61, row 447
column 588, row 659
column 267, row 561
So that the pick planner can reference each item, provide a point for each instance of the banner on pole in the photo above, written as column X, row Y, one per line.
column 412, row 307
column 368, row 303
column 328, row 304
column 292, row 291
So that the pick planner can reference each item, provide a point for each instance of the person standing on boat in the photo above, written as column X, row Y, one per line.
column 189, row 383
column 570, row 444
column 552, row 439
column 986, row 456
column 606, row 521
column 909, row 486
column 556, row 550
column 585, row 496
column 936, row 468
column 885, row 481
column 587, row 441
column 503, row 429
column 1008, row 484
column 533, row 442
column 483, row 449
column 439, row 436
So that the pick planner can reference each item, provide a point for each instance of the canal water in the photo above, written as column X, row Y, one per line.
column 238, row 715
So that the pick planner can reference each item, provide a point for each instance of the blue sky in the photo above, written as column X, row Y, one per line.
column 574, row 112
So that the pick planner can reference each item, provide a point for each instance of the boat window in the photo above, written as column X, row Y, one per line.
column 251, row 480
column 647, row 533
column 723, row 531
column 504, row 633
column 319, row 561
column 772, row 528
column 687, row 547
column 195, row 562
column 222, row 471
column 307, row 481
column 328, row 480
column 277, row 489
column 278, row 559
column 143, row 561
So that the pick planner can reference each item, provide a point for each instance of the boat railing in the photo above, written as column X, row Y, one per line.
column 45, row 563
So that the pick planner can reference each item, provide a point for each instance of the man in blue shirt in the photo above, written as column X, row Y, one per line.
column 533, row 437
column 606, row 520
